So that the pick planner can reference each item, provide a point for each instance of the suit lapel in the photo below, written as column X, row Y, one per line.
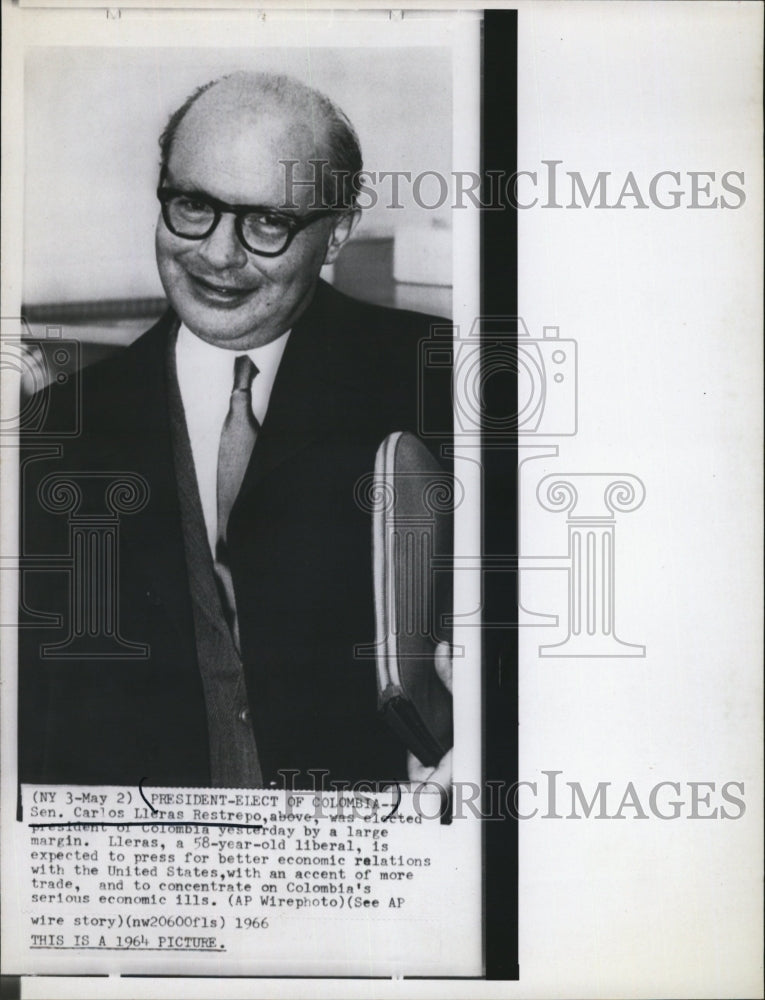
column 143, row 443
column 311, row 391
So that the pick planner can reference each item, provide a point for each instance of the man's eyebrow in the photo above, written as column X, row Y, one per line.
column 206, row 196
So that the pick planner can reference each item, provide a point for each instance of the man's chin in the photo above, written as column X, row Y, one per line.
column 230, row 329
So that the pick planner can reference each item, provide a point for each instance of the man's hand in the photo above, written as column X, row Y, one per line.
column 441, row 774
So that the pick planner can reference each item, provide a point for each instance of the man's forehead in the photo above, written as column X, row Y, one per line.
column 232, row 143
column 226, row 113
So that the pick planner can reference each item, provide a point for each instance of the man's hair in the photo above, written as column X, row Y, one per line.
column 340, row 180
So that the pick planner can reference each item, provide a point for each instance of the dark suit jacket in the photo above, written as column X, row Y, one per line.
column 300, row 550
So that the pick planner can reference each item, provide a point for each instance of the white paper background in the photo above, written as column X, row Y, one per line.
column 666, row 309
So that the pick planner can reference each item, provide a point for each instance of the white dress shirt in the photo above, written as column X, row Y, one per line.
column 205, row 379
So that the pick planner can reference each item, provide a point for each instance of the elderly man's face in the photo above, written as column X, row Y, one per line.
column 225, row 294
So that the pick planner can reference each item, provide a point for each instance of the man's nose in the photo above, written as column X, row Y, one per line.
column 222, row 248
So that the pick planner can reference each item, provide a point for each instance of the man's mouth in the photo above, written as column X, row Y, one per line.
column 220, row 292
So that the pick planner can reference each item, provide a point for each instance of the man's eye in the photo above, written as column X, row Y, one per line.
column 191, row 206
column 263, row 221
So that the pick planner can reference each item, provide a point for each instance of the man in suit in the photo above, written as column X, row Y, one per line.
column 243, row 420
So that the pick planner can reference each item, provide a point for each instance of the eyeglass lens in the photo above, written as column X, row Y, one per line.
column 195, row 218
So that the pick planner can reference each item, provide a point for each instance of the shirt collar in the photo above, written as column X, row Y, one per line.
column 215, row 365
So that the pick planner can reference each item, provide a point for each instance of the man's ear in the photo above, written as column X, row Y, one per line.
column 341, row 232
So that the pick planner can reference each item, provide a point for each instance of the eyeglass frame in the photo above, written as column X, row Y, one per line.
column 295, row 224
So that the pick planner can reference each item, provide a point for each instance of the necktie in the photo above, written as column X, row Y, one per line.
column 240, row 429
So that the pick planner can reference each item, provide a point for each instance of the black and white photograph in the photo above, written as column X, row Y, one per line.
column 380, row 481
column 236, row 490
column 197, row 597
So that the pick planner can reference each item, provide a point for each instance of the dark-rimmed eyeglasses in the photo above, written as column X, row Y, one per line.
column 267, row 232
